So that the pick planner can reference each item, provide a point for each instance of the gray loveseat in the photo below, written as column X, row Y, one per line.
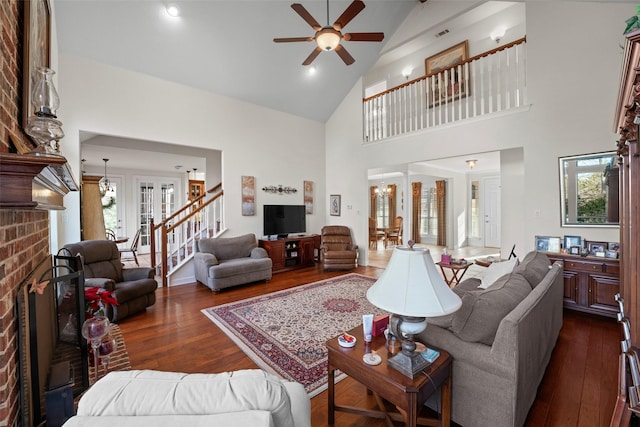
column 501, row 341
column 224, row 262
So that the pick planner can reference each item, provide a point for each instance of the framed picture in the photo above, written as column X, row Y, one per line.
column 308, row 196
column 37, row 46
column 447, row 82
column 570, row 241
column 610, row 254
column 334, row 205
column 548, row 243
column 575, row 250
column 248, row 196
column 596, row 248
column 613, row 246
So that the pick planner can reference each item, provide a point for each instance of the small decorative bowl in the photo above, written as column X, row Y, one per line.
column 346, row 340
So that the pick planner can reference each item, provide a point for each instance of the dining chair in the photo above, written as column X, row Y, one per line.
column 110, row 234
column 394, row 234
column 131, row 249
column 374, row 234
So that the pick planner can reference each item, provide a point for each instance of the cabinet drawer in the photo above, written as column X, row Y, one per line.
column 583, row 266
column 613, row 269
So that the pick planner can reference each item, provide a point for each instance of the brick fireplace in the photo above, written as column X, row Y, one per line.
column 24, row 233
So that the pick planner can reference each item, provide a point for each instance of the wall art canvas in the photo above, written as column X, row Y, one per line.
column 334, row 205
column 248, row 196
column 447, row 84
column 308, row 196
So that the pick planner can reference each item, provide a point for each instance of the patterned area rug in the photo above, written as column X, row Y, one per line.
column 286, row 332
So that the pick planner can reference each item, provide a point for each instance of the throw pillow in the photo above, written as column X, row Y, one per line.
column 460, row 289
column 495, row 271
column 534, row 267
column 482, row 310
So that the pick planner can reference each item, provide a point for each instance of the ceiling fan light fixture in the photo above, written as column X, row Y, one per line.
column 328, row 38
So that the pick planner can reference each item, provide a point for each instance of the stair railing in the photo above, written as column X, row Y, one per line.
column 174, row 238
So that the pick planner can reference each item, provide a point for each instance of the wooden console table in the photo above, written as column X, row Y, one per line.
column 590, row 283
column 292, row 252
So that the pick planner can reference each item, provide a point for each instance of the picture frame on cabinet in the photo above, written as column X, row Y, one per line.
column 613, row 246
column 596, row 248
column 571, row 241
column 611, row 254
column 575, row 250
column 548, row 244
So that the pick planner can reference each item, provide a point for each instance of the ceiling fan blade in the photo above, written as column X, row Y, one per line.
column 363, row 37
column 313, row 56
column 306, row 16
column 342, row 53
column 293, row 39
column 348, row 14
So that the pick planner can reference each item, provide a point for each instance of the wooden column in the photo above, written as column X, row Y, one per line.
column 92, row 217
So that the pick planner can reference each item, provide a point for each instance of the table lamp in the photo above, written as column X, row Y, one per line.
column 412, row 288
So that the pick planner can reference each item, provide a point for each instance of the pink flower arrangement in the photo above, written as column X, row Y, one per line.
column 97, row 300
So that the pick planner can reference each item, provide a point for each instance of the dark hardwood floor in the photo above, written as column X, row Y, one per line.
column 578, row 389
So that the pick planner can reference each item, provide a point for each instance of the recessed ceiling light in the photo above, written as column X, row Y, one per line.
column 173, row 10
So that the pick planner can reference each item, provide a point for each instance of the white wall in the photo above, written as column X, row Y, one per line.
column 274, row 147
column 573, row 74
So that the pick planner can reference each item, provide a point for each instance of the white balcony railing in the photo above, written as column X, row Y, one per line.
column 491, row 82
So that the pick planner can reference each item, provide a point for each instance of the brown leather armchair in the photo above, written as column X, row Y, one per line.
column 337, row 250
column 134, row 288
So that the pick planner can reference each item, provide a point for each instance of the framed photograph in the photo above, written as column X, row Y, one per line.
column 447, row 82
column 611, row 254
column 596, row 248
column 575, row 250
column 37, row 47
column 542, row 243
column 334, row 205
column 548, row 243
column 613, row 246
column 570, row 241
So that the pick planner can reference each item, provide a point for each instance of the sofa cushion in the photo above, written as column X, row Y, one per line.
column 495, row 271
column 149, row 393
column 229, row 247
column 460, row 289
column 533, row 267
column 236, row 266
column 483, row 310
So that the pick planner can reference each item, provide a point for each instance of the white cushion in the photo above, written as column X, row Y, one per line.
column 495, row 271
column 245, row 418
column 151, row 393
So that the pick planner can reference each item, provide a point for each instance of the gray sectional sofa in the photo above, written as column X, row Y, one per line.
column 501, row 341
column 231, row 261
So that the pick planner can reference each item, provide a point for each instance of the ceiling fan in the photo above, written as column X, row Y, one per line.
column 329, row 37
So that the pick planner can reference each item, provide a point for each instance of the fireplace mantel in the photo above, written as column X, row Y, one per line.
column 34, row 181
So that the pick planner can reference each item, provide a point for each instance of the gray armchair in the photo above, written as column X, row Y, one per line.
column 134, row 288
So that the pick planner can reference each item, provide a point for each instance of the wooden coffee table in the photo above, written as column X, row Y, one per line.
column 455, row 270
column 387, row 383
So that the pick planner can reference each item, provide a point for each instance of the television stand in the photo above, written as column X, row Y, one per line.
column 291, row 253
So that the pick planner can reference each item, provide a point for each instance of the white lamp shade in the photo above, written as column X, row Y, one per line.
column 412, row 286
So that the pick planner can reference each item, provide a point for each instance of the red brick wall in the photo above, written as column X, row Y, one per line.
column 24, row 235
column 25, row 243
column 11, row 29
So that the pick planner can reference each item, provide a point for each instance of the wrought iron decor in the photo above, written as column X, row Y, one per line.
column 279, row 189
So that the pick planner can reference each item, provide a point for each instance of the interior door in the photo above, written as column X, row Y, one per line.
column 492, row 212
column 157, row 200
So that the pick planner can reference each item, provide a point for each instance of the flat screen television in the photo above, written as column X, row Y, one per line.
column 283, row 220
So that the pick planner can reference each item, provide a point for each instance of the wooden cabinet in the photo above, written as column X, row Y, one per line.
column 196, row 189
column 290, row 253
column 590, row 283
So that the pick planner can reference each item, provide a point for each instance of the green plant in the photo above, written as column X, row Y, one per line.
column 633, row 23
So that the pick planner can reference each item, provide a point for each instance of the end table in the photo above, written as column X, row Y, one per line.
column 384, row 381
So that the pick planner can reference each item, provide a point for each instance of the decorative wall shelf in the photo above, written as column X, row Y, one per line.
column 34, row 181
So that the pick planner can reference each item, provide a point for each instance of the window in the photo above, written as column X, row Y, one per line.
column 429, row 212
column 382, row 208
column 475, row 210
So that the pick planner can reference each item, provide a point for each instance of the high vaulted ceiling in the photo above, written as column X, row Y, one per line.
column 226, row 47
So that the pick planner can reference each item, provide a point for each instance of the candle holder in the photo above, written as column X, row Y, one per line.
column 94, row 330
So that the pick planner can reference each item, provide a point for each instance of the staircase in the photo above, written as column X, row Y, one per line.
column 173, row 240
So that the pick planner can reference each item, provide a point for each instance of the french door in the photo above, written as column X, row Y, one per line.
column 157, row 198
